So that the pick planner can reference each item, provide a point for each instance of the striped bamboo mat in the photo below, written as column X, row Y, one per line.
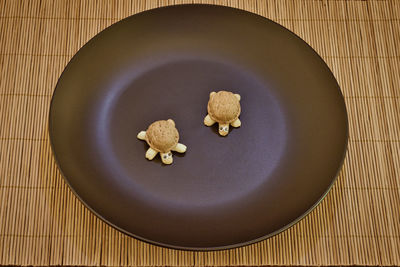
column 358, row 223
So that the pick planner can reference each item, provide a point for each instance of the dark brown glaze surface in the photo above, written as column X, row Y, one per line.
column 224, row 191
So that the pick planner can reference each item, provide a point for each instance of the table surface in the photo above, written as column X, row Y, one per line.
column 358, row 223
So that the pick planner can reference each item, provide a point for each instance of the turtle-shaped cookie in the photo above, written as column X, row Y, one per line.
column 224, row 108
column 163, row 137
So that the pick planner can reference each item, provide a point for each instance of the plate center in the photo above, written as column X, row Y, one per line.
column 215, row 169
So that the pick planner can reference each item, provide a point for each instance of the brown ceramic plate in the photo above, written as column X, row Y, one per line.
column 225, row 191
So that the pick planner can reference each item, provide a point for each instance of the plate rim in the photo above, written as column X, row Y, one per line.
column 217, row 248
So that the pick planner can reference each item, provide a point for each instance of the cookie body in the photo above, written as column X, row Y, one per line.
column 223, row 107
column 162, row 136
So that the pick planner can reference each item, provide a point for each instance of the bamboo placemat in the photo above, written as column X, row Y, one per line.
column 358, row 223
